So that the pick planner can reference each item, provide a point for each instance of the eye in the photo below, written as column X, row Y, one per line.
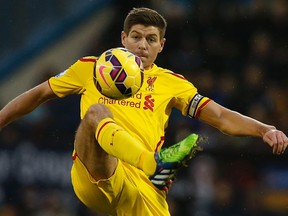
column 135, row 37
column 151, row 40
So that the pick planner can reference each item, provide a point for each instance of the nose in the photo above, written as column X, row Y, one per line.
column 142, row 44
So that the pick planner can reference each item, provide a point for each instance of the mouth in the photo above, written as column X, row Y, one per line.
column 142, row 57
column 140, row 54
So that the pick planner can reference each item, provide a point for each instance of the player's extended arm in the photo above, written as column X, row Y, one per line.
column 236, row 124
column 25, row 103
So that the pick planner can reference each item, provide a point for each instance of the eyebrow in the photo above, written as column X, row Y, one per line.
column 135, row 31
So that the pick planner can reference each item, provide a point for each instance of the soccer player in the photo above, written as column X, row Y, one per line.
column 119, row 167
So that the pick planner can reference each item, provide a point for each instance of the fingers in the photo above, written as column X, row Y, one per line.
column 281, row 143
column 277, row 140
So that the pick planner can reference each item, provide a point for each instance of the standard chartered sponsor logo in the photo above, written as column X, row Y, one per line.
column 127, row 102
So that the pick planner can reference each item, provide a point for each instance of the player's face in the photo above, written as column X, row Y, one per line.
column 145, row 42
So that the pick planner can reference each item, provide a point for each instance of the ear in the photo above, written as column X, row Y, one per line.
column 123, row 37
column 162, row 42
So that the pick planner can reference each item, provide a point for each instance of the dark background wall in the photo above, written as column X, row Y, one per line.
column 235, row 52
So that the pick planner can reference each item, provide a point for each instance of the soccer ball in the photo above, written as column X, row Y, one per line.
column 118, row 74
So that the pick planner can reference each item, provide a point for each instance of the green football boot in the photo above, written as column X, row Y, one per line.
column 170, row 159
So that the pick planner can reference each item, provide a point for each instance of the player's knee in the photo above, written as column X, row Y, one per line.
column 96, row 113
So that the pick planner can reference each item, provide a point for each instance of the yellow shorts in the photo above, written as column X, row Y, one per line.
column 127, row 192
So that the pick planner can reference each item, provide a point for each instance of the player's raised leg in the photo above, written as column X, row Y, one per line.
column 99, row 163
column 100, row 142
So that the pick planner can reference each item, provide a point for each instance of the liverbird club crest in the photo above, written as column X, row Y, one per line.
column 150, row 82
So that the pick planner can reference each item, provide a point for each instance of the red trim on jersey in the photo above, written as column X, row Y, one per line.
column 103, row 127
column 49, row 84
column 51, row 88
column 201, row 107
column 177, row 75
column 162, row 138
column 85, row 59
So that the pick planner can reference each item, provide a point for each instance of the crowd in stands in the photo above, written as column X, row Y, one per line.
column 235, row 52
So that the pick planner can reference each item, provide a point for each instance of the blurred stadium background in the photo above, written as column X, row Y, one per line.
column 234, row 51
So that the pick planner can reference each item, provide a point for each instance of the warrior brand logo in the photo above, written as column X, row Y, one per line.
column 150, row 82
column 149, row 103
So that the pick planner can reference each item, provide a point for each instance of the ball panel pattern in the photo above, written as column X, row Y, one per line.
column 118, row 73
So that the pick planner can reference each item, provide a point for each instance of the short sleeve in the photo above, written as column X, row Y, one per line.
column 73, row 80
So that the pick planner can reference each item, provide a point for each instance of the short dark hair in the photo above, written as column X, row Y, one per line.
column 146, row 17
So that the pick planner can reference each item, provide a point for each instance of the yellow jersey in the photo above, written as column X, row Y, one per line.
column 144, row 115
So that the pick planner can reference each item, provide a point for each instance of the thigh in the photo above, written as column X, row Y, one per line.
column 100, row 164
column 127, row 192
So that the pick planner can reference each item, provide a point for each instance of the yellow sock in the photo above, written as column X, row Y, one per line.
column 147, row 163
column 118, row 142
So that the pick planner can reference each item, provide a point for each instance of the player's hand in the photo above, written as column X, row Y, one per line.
column 277, row 140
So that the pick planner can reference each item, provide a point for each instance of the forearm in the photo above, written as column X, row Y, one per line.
column 25, row 103
column 240, row 125
column 237, row 124
column 17, row 108
column 231, row 122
